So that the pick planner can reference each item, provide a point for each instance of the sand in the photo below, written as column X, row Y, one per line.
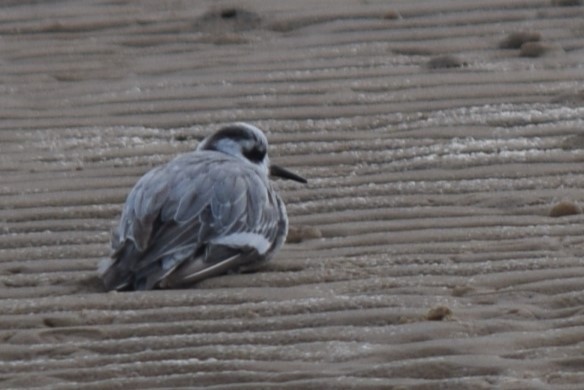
column 437, row 245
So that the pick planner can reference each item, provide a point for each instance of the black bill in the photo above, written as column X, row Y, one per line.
column 278, row 171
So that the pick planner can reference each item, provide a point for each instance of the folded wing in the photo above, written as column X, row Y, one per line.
column 196, row 217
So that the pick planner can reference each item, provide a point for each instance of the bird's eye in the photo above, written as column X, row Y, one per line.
column 255, row 155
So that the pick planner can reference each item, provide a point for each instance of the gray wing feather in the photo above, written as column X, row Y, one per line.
column 175, row 213
column 228, row 204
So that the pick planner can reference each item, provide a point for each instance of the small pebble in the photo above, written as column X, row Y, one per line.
column 391, row 15
column 228, row 13
column 538, row 49
column 459, row 291
column 180, row 137
column 297, row 234
column 518, row 38
column 564, row 208
column 438, row 313
column 447, row 61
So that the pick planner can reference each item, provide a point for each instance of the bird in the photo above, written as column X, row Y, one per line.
column 205, row 213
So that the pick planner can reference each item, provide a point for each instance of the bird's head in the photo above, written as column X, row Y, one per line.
column 249, row 144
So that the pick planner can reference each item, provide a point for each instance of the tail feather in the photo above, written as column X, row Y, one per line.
column 179, row 269
column 224, row 259
column 116, row 272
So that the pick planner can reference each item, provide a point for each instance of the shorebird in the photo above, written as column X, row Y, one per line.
column 205, row 213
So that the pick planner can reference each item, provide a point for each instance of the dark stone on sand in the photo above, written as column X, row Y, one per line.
column 446, row 61
column 515, row 39
column 181, row 137
column 565, row 208
column 231, row 19
column 297, row 234
column 62, row 320
column 538, row 49
column 229, row 13
column 460, row 291
column 438, row 313
column 391, row 15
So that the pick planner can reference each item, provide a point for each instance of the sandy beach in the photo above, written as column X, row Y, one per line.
column 437, row 245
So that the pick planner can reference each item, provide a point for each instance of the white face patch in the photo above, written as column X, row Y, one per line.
column 237, row 240
column 264, row 166
column 229, row 146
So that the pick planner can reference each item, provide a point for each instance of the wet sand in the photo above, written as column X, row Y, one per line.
column 437, row 245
